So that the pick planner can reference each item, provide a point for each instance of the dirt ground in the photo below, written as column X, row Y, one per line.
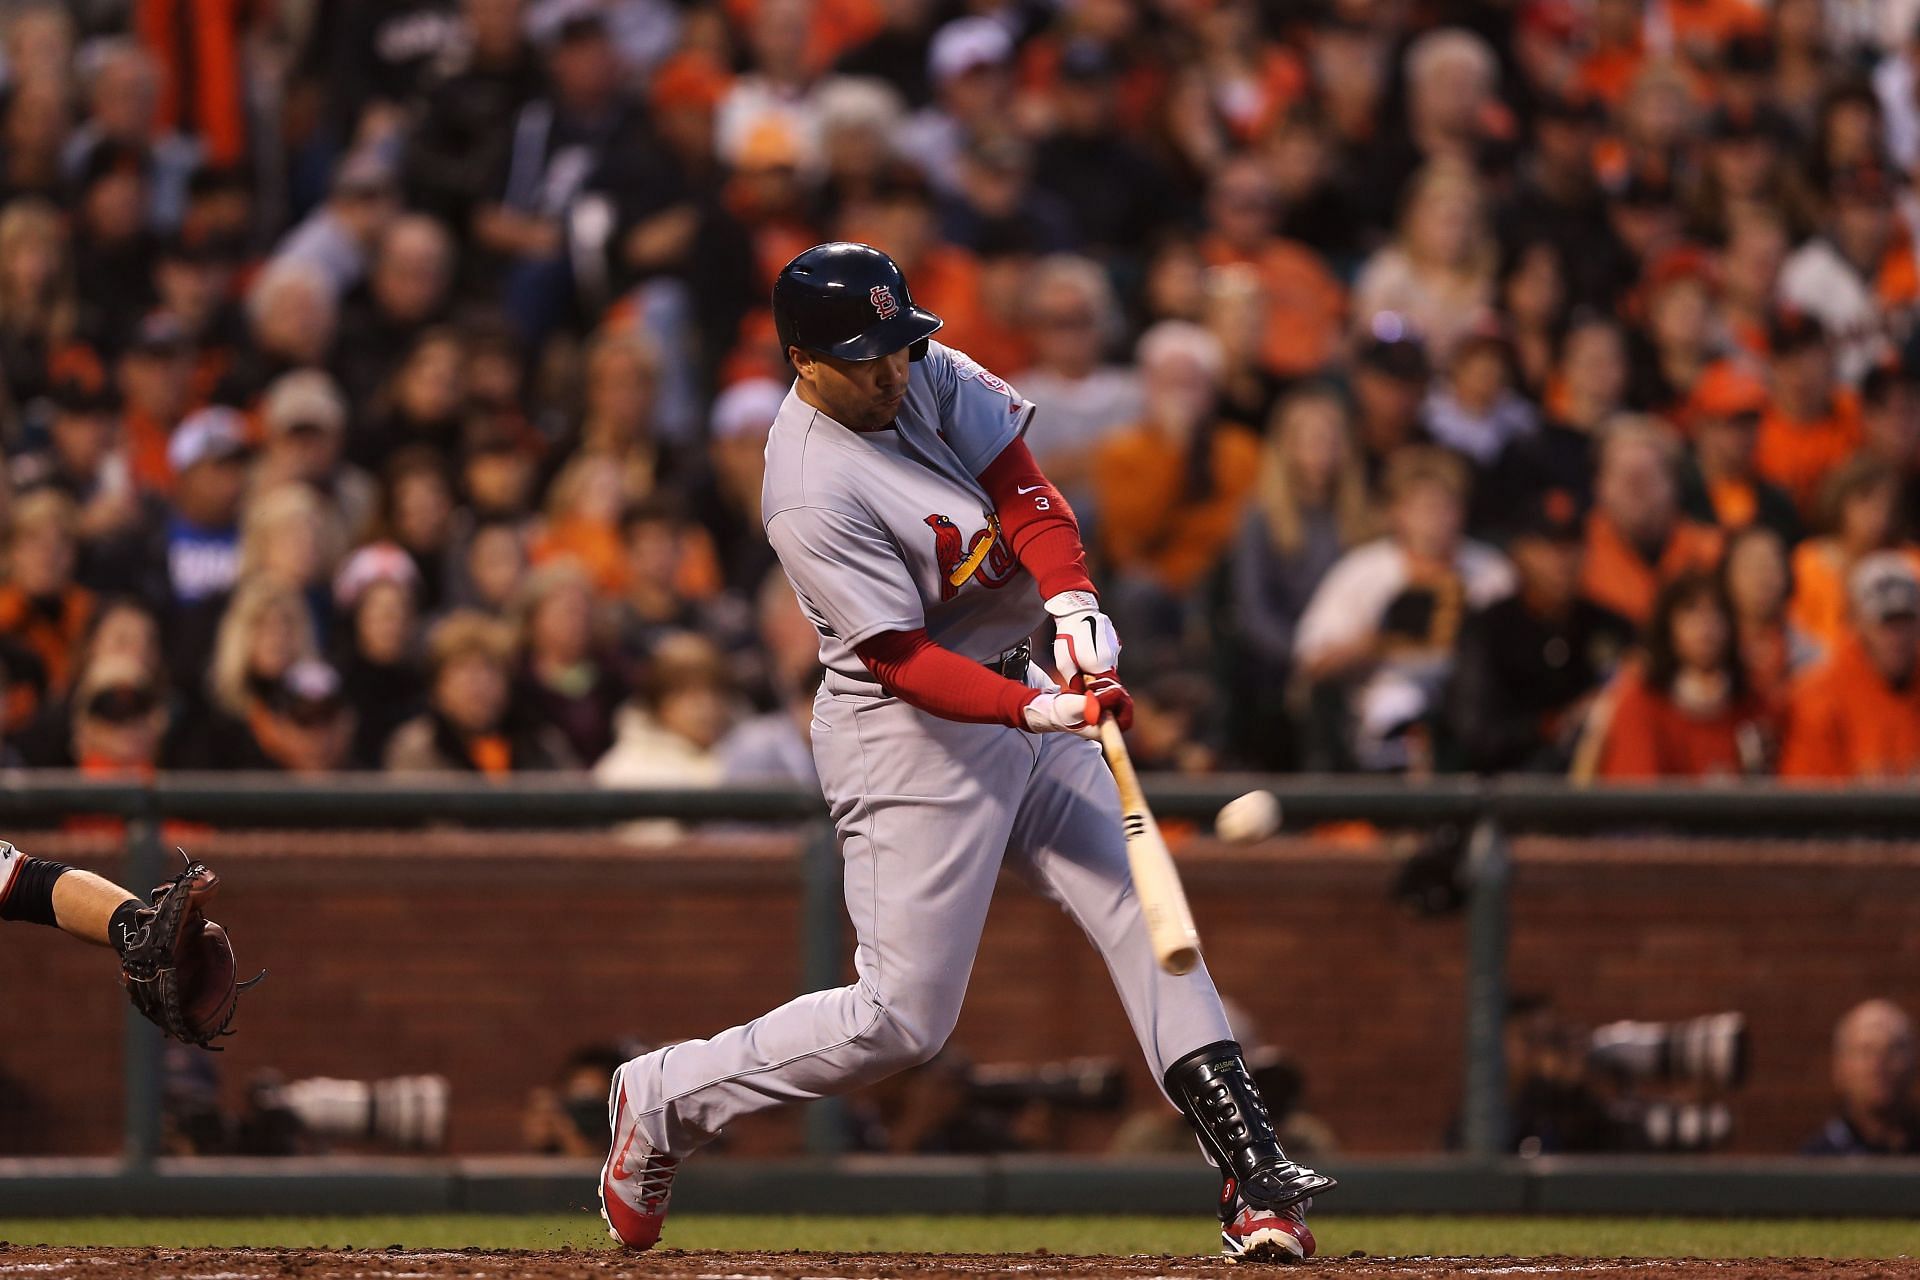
column 37, row 1262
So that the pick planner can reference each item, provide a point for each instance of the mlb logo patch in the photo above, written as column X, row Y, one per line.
column 881, row 296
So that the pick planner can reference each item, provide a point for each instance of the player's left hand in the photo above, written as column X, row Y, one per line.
column 1084, row 641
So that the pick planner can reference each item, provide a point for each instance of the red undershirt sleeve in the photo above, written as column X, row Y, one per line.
column 940, row 682
column 1036, row 521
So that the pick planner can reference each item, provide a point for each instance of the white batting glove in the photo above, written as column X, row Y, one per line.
column 1063, row 713
column 1084, row 641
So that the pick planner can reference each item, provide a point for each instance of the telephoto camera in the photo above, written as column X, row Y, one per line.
column 1696, row 1060
column 1709, row 1050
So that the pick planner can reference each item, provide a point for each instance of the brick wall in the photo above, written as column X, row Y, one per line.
column 486, row 957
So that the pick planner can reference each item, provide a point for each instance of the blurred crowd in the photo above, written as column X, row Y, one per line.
column 1440, row 384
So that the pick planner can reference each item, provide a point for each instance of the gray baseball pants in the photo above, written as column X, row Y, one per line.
column 926, row 811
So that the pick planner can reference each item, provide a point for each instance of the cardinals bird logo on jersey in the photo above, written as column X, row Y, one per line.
column 983, row 556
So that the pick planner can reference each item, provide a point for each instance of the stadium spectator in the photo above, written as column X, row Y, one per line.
column 419, row 517
column 1378, row 632
column 335, row 242
column 1305, row 304
column 291, row 537
column 1844, row 277
column 1683, row 711
column 726, row 499
column 1474, row 409
column 1637, row 538
column 405, row 291
column 1583, row 393
column 380, row 673
column 1072, row 319
column 491, row 568
column 1874, row 1067
column 1890, row 425
column 156, row 380
column 1721, row 487
column 467, row 727
column 41, row 606
column 1857, row 714
column 668, row 735
column 1309, row 508
column 1530, row 666
column 563, row 684
column 304, row 419
column 303, row 725
column 1169, row 490
column 39, row 308
column 1389, row 380
column 1438, row 274
column 264, row 632
column 292, row 318
column 1812, row 425
column 119, row 719
column 1858, row 515
column 1757, row 578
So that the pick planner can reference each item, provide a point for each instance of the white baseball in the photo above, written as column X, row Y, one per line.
column 1254, row 816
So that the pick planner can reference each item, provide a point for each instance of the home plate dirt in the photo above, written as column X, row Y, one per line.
column 41, row 1263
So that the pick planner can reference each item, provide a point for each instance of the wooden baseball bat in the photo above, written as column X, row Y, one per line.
column 1156, row 881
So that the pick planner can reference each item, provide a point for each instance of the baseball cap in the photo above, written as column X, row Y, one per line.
column 213, row 434
column 1866, row 183
column 304, row 398
column 966, row 44
column 1086, row 60
column 1726, row 390
column 1730, row 123
column 308, row 694
column 159, row 333
column 375, row 562
column 1404, row 358
column 109, row 158
column 1883, row 587
column 1552, row 515
column 117, row 689
column 1792, row 329
column 746, row 408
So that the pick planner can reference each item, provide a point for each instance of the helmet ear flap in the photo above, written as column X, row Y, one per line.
column 918, row 350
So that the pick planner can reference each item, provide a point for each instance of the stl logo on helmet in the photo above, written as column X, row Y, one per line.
column 881, row 296
column 983, row 556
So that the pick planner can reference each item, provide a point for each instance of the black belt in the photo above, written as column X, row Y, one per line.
column 1013, row 663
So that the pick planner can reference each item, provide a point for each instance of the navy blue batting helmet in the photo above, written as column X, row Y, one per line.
column 851, row 301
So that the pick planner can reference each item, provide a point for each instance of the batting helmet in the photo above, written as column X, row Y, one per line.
column 851, row 301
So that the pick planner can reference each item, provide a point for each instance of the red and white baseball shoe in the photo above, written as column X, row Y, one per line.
column 636, row 1182
column 1249, row 1233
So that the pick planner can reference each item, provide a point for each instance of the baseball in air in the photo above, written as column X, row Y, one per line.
column 1254, row 816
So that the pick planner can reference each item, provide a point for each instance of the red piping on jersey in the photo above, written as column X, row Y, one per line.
column 940, row 682
column 1036, row 522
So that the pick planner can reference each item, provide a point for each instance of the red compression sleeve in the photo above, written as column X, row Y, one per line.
column 1037, row 522
column 940, row 682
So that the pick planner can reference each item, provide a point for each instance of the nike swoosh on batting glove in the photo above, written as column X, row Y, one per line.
column 1084, row 641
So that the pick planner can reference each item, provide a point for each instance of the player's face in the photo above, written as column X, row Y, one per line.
column 862, row 395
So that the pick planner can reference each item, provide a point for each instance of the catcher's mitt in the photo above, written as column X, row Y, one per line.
column 178, row 966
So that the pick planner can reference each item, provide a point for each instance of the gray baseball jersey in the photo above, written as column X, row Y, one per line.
column 890, row 531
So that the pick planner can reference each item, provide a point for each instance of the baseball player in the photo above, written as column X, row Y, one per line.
column 177, row 965
column 926, row 546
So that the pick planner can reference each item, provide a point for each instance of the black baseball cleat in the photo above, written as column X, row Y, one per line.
column 1264, row 1195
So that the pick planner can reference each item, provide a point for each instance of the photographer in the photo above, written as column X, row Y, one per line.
column 1873, row 1076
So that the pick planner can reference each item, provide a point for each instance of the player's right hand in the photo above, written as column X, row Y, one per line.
column 1063, row 713
column 1080, row 713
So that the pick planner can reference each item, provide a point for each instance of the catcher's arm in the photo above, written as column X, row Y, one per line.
column 85, row 906
column 90, row 907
